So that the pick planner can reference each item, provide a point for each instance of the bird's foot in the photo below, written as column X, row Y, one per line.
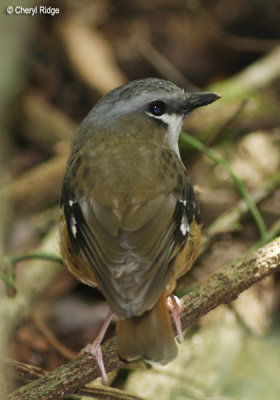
column 175, row 308
column 95, row 348
column 96, row 351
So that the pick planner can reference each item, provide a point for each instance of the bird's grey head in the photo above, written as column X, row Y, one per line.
column 158, row 100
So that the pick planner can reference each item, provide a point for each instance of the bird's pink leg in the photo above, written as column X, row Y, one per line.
column 95, row 347
column 174, row 306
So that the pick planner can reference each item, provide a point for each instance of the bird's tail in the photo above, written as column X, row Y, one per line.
column 149, row 336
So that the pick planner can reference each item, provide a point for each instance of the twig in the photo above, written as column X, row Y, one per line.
column 247, row 43
column 7, row 274
column 90, row 54
column 229, row 219
column 35, row 256
column 240, row 185
column 26, row 371
column 35, row 278
column 249, row 83
column 254, row 78
column 43, row 124
column 225, row 285
column 38, row 187
column 161, row 63
column 212, row 140
column 227, row 123
column 32, row 372
column 8, row 279
column 222, row 287
column 271, row 234
column 242, row 43
column 50, row 337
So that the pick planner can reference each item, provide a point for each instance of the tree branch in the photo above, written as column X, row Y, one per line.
column 32, row 372
column 222, row 287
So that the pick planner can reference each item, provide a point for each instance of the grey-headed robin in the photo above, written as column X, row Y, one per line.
column 128, row 223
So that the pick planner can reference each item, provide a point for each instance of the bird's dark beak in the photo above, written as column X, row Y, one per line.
column 196, row 100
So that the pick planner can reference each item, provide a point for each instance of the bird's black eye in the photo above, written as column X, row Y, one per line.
column 157, row 108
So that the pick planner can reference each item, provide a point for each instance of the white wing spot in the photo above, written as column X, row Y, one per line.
column 73, row 226
column 73, row 222
column 184, row 227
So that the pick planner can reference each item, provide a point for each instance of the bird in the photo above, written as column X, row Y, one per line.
column 128, row 221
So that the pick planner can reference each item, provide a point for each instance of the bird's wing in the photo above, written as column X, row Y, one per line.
column 131, row 257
